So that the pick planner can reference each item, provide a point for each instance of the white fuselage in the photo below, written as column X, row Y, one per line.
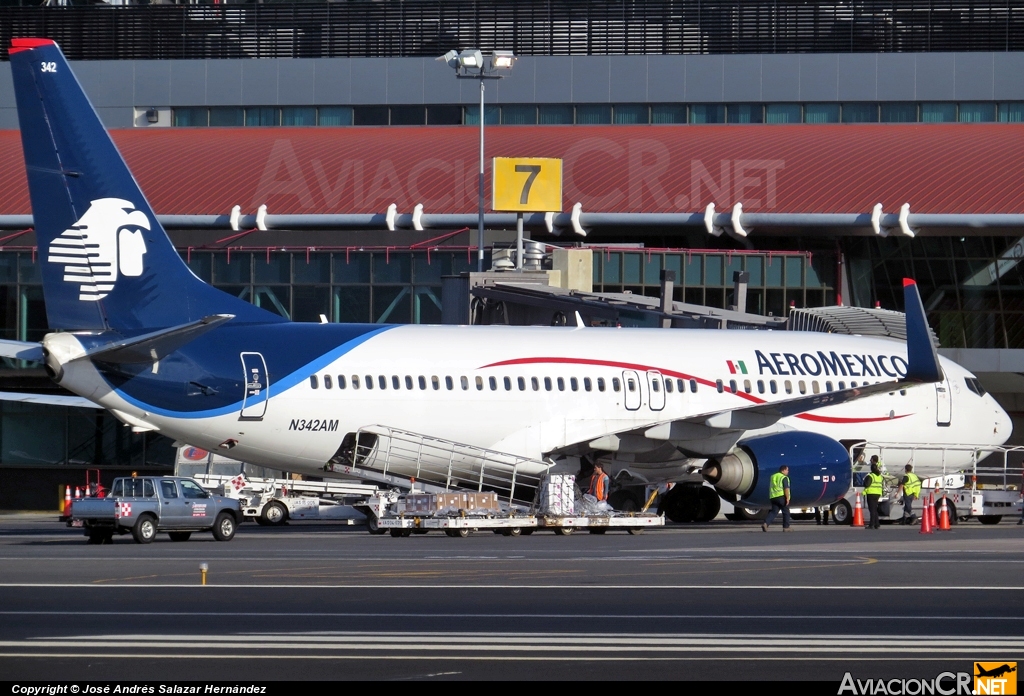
column 534, row 391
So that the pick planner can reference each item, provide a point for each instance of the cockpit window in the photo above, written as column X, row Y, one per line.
column 975, row 386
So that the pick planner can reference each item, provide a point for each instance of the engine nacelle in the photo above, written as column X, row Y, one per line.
column 820, row 471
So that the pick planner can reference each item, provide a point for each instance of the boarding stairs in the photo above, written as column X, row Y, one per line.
column 428, row 464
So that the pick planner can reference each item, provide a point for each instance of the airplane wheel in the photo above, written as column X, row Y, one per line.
column 624, row 501
column 711, row 504
column 842, row 513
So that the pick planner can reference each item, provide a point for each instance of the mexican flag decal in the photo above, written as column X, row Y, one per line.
column 736, row 367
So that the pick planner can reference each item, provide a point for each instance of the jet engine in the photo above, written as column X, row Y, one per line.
column 820, row 471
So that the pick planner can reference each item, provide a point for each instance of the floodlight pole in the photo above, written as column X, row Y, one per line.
column 480, row 199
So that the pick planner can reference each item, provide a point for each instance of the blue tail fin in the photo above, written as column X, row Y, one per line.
column 106, row 261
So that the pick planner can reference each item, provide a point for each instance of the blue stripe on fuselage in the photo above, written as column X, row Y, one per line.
column 206, row 378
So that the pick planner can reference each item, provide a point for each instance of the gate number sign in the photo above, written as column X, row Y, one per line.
column 527, row 184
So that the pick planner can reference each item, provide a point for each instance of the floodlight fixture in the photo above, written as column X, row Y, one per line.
column 451, row 58
column 502, row 60
column 471, row 58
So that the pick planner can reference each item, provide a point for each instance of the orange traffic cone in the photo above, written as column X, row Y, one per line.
column 66, row 508
column 944, row 516
column 858, row 513
column 926, row 520
column 932, row 518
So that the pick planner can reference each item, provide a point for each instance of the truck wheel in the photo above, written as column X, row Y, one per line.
column 990, row 519
column 950, row 508
column 515, row 531
column 564, row 531
column 635, row 530
column 274, row 514
column 144, row 530
column 396, row 533
column 179, row 536
column 224, row 527
column 372, row 525
column 842, row 513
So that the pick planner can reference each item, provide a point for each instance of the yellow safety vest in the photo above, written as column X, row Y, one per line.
column 777, row 488
column 874, row 486
column 913, row 484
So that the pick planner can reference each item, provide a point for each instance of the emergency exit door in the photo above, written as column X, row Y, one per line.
column 943, row 403
column 257, row 387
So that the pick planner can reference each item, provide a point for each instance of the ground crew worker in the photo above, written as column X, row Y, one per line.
column 876, row 460
column 873, row 490
column 599, row 483
column 910, row 487
column 821, row 515
column 778, row 491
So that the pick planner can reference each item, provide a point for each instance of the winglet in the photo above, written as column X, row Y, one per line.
column 922, row 358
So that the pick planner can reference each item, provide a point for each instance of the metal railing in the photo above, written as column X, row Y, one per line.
column 385, row 28
column 977, row 465
column 447, row 464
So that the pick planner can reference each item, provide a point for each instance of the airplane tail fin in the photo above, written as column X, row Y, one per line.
column 106, row 261
column 922, row 358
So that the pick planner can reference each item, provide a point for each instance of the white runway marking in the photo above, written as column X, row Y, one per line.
column 943, row 616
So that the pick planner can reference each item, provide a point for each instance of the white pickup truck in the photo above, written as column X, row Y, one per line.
column 146, row 505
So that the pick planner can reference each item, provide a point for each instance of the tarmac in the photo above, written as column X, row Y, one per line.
column 720, row 601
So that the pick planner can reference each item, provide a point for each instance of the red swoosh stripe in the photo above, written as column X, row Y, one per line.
column 680, row 375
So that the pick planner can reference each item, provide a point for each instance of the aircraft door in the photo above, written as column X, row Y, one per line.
column 632, row 396
column 257, row 385
column 656, row 390
column 943, row 403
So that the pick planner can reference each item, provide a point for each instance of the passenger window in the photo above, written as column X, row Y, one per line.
column 395, row 382
column 464, row 381
column 355, row 381
column 600, row 384
column 852, row 385
column 681, row 387
column 774, row 388
column 368, row 382
column 789, row 386
column 521, row 381
column 828, row 386
column 479, row 383
column 574, row 384
column 535, row 384
column 760, row 386
column 423, row 382
column 732, row 386
column 149, row 491
column 668, row 386
column 693, row 386
column 313, row 384
column 547, row 384
column 327, row 382
column 435, row 382
column 341, row 381
column 449, row 383
column 746, row 386
column 802, row 386
column 493, row 383
column 192, row 490
column 719, row 385
column 168, row 490
column 815, row 388
column 118, row 490
column 408, row 382
column 616, row 385
column 656, row 386
column 903, row 392
column 630, row 385
column 508, row 383
column 561, row 384
column 842, row 386
column 587, row 384
column 382, row 381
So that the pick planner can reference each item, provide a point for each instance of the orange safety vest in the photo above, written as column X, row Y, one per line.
column 599, row 486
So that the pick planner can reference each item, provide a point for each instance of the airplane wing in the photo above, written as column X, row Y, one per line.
column 48, row 399
column 717, row 432
column 22, row 350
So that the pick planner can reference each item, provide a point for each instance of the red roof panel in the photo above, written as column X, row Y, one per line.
column 952, row 168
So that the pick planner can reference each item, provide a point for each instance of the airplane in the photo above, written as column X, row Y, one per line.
column 135, row 332
column 995, row 671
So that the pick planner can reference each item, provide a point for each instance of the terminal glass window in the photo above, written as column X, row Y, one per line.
column 860, row 112
column 668, row 113
column 938, row 112
column 1011, row 112
column 232, row 116
column 334, row 116
column 821, row 113
column 898, row 112
column 593, row 114
column 191, row 116
column 977, row 112
column 782, row 113
column 632, row 114
column 554, row 114
column 745, row 113
column 408, row 115
column 263, row 116
column 296, row 116
column 707, row 113
column 519, row 115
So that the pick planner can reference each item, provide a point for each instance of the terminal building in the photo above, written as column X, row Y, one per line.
column 316, row 159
